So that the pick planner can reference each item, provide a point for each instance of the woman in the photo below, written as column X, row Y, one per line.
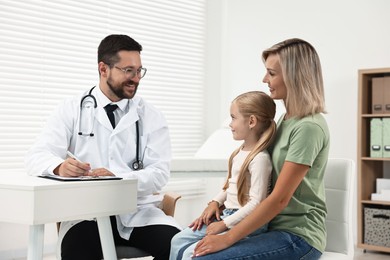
column 295, row 209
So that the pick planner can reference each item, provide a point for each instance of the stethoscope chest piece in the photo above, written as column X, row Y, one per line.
column 137, row 165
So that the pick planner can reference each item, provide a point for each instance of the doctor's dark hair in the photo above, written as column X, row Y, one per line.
column 263, row 107
column 110, row 46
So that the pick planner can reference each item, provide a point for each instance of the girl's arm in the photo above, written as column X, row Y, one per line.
column 260, row 170
column 290, row 177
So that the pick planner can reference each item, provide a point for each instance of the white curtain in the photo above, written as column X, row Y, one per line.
column 48, row 52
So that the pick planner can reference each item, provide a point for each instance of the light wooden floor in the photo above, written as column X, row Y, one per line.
column 359, row 255
column 370, row 255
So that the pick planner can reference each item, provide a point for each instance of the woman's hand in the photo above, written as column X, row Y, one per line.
column 211, row 244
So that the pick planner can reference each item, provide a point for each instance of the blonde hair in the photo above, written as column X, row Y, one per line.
column 301, row 69
column 263, row 107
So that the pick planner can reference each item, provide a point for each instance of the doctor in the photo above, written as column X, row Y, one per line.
column 82, row 126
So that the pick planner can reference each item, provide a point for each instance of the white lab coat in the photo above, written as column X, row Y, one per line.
column 114, row 150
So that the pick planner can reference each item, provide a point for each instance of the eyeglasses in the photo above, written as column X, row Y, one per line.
column 129, row 72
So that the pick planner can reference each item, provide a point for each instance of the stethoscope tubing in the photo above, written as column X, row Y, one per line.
column 137, row 164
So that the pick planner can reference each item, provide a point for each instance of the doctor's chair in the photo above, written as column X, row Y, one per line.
column 168, row 205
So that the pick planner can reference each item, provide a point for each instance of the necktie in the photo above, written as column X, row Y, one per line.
column 110, row 113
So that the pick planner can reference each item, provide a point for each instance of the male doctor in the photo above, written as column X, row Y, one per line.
column 106, row 144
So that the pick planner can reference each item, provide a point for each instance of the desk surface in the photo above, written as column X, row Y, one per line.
column 32, row 200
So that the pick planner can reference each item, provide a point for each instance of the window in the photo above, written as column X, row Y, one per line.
column 48, row 52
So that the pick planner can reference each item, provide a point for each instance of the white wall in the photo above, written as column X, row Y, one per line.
column 348, row 35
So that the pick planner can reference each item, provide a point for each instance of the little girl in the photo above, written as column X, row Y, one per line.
column 248, row 180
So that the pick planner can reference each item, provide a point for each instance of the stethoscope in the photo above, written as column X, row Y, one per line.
column 88, row 102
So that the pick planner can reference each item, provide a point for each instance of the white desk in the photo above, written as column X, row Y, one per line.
column 35, row 201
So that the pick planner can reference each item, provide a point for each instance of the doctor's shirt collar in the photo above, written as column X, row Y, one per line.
column 102, row 100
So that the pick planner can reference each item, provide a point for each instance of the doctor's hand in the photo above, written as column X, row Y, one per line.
column 100, row 172
column 72, row 168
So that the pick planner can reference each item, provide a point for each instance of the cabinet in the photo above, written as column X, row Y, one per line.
column 369, row 168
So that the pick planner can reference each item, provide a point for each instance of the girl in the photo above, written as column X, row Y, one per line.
column 249, row 173
column 295, row 209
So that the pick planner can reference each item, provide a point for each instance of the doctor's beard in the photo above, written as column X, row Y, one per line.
column 119, row 89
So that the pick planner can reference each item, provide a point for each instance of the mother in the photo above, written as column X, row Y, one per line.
column 296, row 208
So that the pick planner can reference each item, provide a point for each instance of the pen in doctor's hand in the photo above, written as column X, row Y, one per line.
column 71, row 155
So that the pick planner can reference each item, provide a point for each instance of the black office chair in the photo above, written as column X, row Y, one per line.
column 168, row 205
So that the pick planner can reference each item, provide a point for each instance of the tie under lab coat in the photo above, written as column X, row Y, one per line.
column 113, row 149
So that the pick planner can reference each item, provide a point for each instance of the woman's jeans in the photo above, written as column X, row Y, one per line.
column 278, row 245
column 184, row 242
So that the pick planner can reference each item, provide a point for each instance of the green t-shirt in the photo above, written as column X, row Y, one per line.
column 304, row 141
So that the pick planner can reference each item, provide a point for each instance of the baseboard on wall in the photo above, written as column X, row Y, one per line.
column 21, row 253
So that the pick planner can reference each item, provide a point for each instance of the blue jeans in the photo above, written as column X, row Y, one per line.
column 184, row 242
column 276, row 245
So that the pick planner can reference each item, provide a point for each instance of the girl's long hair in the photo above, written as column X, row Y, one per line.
column 260, row 105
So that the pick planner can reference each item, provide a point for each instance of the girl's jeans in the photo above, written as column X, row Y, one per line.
column 184, row 242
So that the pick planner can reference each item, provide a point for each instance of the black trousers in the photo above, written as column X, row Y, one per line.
column 82, row 241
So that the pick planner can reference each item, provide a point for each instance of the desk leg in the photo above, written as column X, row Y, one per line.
column 35, row 243
column 105, row 233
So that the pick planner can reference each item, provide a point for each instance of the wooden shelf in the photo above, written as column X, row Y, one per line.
column 375, row 115
column 369, row 169
column 375, row 159
column 375, row 202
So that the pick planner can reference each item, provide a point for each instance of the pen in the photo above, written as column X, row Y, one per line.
column 71, row 155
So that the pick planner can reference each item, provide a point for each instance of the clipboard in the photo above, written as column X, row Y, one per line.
column 81, row 178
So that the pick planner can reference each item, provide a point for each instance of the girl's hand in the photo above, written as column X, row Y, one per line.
column 217, row 209
column 197, row 224
column 207, row 217
column 211, row 212
column 216, row 228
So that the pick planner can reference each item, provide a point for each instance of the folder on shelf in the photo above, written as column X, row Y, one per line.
column 376, row 137
column 386, row 95
column 377, row 95
column 386, row 137
column 382, row 184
